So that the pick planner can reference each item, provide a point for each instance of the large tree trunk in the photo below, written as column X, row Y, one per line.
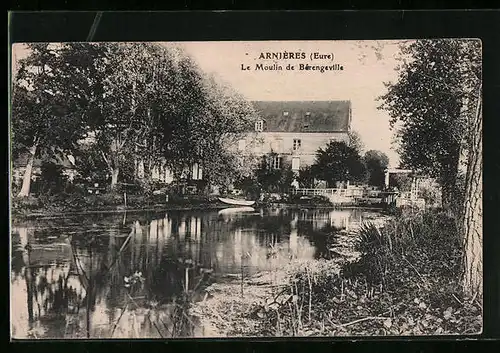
column 26, row 187
column 473, row 212
column 115, row 172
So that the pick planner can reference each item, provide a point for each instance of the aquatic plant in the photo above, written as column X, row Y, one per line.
column 405, row 283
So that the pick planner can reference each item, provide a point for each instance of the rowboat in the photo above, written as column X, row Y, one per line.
column 233, row 210
column 236, row 202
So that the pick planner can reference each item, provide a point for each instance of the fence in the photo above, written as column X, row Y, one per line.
column 350, row 192
column 354, row 194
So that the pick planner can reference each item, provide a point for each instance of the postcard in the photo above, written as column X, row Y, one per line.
column 246, row 189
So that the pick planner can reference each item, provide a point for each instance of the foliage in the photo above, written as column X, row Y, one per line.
column 376, row 163
column 275, row 180
column 229, row 118
column 431, row 195
column 52, row 177
column 50, row 102
column 430, row 105
column 113, row 104
column 307, row 176
column 44, row 110
column 401, row 181
column 249, row 187
column 405, row 283
column 338, row 162
column 355, row 141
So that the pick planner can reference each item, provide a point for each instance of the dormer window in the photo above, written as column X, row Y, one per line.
column 308, row 113
column 285, row 113
column 259, row 126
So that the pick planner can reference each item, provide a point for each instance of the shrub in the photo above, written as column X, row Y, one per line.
column 311, row 200
column 414, row 242
column 52, row 179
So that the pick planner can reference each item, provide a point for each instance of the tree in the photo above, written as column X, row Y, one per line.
column 338, row 162
column 355, row 141
column 402, row 181
column 200, row 124
column 50, row 102
column 376, row 163
column 114, row 105
column 307, row 176
column 129, row 110
column 437, row 103
column 428, row 107
column 272, row 177
column 226, row 119
column 472, row 220
column 52, row 177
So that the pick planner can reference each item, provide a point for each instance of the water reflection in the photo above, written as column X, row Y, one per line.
column 67, row 275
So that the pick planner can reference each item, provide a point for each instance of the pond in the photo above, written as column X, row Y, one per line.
column 132, row 275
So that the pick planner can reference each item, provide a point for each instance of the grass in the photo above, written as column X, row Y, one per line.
column 406, row 282
column 77, row 202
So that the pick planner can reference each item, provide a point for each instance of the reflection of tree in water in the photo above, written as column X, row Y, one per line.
column 93, row 273
column 17, row 261
column 50, row 293
column 271, row 227
column 164, row 249
column 322, row 238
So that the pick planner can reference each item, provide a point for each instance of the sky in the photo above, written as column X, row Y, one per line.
column 366, row 66
column 361, row 81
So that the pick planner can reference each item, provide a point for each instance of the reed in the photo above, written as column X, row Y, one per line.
column 410, row 263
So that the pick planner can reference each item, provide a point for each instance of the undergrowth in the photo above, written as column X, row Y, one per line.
column 406, row 282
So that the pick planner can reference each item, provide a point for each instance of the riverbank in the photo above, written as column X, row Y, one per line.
column 73, row 205
column 401, row 277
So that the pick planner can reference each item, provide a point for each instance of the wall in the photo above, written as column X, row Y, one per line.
column 282, row 142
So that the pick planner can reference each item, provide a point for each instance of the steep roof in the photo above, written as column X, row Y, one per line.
column 305, row 116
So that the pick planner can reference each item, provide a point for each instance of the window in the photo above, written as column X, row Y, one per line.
column 274, row 162
column 196, row 172
column 285, row 113
column 259, row 126
column 277, row 145
column 296, row 144
column 295, row 163
column 241, row 145
column 308, row 113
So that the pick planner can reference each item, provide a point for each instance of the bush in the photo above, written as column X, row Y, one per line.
column 26, row 203
column 406, row 282
column 317, row 281
column 52, row 179
column 413, row 243
column 311, row 200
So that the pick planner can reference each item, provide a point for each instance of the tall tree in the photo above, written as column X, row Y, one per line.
column 437, row 105
column 307, row 176
column 124, row 126
column 339, row 162
column 472, row 221
column 376, row 163
column 426, row 105
column 209, row 119
column 146, row 109
column 50, row 102
column 230, row 119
